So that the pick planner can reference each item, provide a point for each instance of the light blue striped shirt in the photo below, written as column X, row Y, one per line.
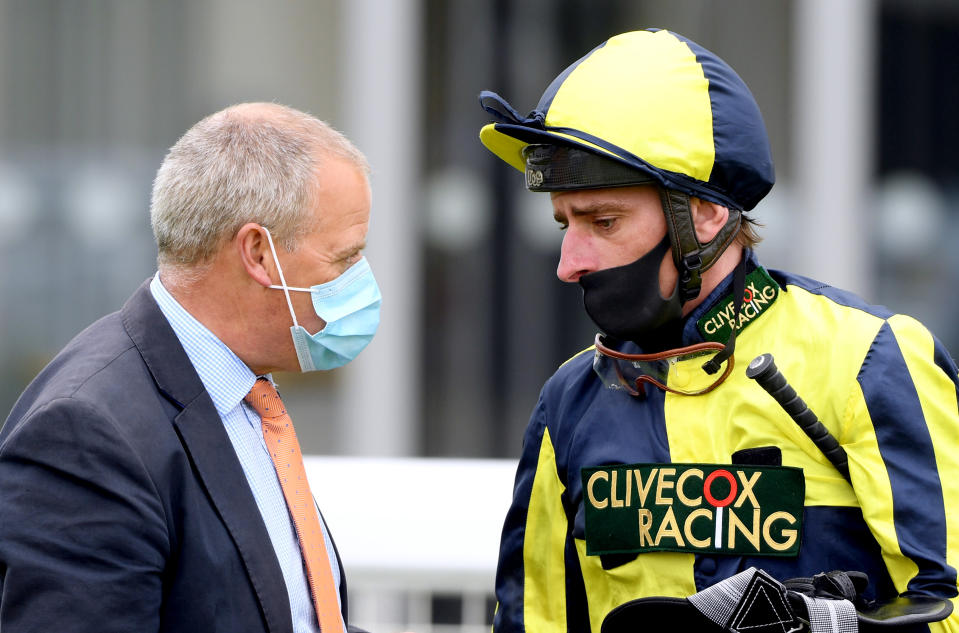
column 227, row 379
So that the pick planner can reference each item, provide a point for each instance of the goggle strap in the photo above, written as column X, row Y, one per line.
column 605, row 350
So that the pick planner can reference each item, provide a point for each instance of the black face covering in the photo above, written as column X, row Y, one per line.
column 625, row 302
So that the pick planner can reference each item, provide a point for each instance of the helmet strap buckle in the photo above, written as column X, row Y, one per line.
column 690, row 277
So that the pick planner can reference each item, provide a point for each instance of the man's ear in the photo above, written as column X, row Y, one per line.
column 708, row 218
column 255, row 255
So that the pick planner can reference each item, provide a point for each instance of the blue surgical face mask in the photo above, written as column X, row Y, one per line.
column 350, row 305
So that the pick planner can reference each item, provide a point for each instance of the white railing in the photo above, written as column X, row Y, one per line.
column 418, row 537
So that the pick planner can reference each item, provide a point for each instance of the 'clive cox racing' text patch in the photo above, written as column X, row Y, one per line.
column 699, row 508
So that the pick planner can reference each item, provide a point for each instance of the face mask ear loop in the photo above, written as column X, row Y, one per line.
column 279, row 269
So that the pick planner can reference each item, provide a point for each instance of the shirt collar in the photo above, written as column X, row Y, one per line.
column 226, row 378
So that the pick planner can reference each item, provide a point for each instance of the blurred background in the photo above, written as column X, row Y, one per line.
column 859, row 97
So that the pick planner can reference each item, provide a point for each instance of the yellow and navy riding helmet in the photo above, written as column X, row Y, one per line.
column 653, row 101
column 645, row 107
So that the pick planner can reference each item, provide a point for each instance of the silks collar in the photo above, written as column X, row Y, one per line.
column 714, row 320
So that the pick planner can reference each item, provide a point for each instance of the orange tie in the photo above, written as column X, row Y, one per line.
column 288, row 460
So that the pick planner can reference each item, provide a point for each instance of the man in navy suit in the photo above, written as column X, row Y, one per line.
column 136, row 490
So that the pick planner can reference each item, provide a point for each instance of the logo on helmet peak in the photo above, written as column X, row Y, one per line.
column 534, row 178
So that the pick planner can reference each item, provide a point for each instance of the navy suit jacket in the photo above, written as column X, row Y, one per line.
column 123, row 506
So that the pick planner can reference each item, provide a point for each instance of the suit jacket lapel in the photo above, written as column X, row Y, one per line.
column 211, row 453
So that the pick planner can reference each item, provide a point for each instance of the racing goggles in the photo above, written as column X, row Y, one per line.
column 678, row 371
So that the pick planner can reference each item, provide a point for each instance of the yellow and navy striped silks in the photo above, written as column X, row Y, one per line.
column 654, row 101
column 880, row 382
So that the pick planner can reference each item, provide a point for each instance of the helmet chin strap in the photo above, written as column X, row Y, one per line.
column 693, row 258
